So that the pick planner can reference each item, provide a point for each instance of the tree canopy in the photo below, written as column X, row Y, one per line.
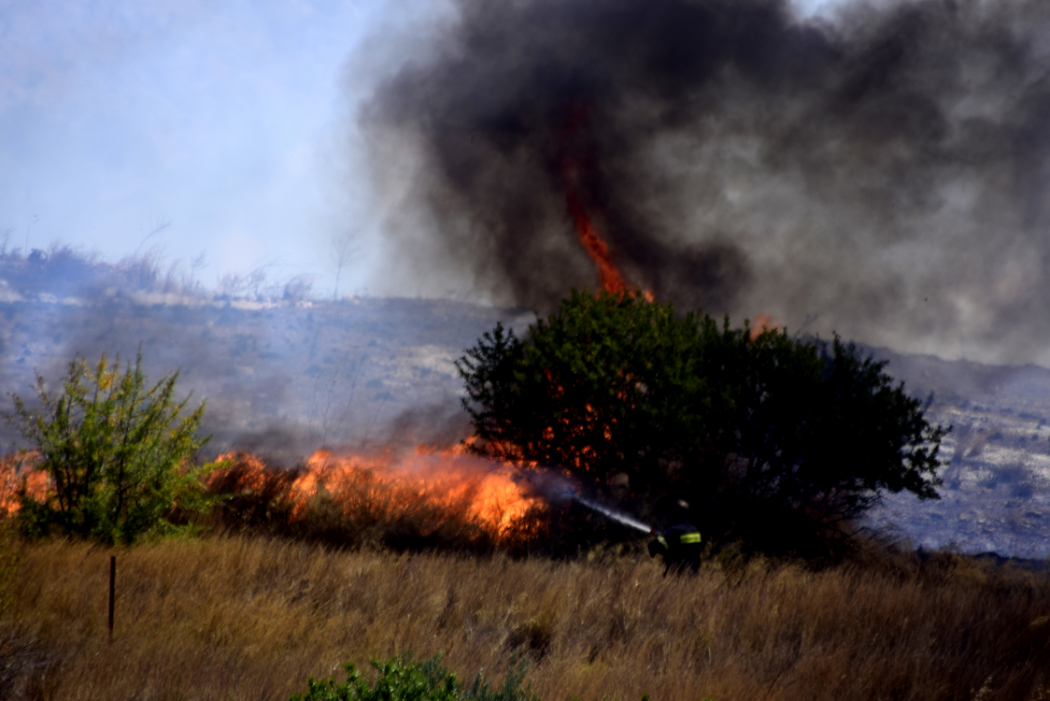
column 773, row 440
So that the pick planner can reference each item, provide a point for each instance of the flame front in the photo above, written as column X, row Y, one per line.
column 455, row 484
column 448, row 484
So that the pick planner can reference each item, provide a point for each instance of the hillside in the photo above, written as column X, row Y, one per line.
column 280, row 377
column 996, row 493
column 284, row 375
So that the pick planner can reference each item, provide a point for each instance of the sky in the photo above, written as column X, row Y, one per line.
column 215, row 135
column 217, row 126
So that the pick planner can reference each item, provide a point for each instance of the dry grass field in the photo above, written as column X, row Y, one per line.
column 239, row 617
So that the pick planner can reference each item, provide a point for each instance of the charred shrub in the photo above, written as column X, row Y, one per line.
column 776, row 442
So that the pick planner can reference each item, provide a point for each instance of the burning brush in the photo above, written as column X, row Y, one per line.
column 436, row 492
column 430, row 487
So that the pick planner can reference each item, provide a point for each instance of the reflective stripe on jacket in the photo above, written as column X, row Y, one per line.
column 671, row 540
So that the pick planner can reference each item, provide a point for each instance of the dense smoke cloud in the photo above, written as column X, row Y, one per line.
column 885, row 175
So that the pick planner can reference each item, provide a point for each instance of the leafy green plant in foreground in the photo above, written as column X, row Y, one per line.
column 118, row 454
column 404, row 680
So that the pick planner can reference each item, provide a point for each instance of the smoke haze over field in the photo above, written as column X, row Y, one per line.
column 883, row 173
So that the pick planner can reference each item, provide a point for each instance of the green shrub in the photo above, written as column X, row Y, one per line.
column 398, row 681
column 404, row 680
column 118, row 454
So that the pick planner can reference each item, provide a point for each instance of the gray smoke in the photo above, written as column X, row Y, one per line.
column 884, row 175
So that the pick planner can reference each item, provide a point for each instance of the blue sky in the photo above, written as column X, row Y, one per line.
column 223, row 125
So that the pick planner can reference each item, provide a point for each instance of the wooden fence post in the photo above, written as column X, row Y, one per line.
column 112, row 590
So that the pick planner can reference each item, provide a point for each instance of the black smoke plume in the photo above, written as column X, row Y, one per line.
column 884, row 173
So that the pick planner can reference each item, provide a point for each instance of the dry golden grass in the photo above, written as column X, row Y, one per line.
column 251, row 618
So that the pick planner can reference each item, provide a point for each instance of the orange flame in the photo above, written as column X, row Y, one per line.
column 761, row 324
column 610, row 279
column 492, row 494
column 19, row 470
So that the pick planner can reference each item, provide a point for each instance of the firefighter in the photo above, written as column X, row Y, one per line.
column 680, row 544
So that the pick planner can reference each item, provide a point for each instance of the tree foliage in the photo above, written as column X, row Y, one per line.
column 404, row 680
column 118, row 454
column 771, row 438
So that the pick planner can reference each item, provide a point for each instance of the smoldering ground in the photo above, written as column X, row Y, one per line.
column 883, row 173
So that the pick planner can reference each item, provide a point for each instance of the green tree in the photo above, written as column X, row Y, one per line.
column 774, row 440
column 118, row 454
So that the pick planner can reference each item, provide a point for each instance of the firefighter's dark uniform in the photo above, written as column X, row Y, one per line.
column 680, row 547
